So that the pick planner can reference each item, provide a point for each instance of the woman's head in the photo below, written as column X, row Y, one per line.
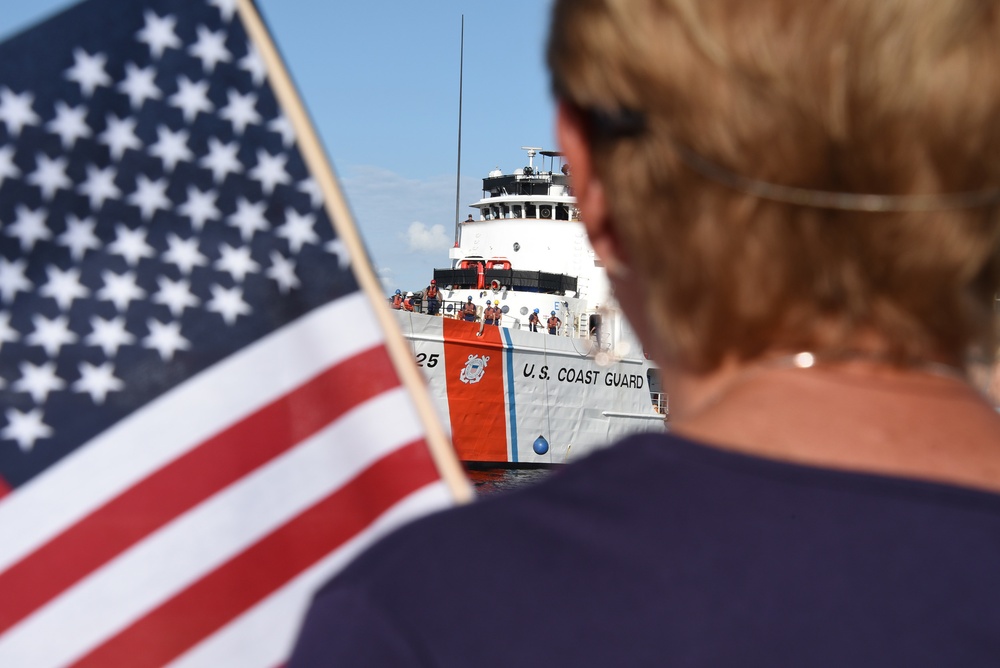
column 896, row 97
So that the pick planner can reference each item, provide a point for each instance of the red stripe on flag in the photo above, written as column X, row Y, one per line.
column 189, row 480
column 220, row 596
column 477, row 409
column 4, row 488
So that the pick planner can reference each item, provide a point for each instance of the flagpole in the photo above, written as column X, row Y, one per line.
column 343, row 222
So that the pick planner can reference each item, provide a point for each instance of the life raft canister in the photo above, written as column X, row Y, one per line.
column 495, row 285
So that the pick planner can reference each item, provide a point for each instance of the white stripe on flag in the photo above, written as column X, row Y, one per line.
column 181, row 419
column 263, row 636
column 172, row 558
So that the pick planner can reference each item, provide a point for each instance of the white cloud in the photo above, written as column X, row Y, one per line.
column 422, row 238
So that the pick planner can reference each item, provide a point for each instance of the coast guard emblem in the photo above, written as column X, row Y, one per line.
column 474, row 369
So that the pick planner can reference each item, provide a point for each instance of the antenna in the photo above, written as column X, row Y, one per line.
column 458, row 169
column 532, row 150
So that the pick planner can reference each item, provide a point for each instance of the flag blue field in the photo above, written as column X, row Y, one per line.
column 201, row 420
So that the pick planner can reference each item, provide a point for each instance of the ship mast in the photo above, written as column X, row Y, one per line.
column 458, row 169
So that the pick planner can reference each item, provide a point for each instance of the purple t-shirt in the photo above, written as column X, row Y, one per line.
column 664, row 552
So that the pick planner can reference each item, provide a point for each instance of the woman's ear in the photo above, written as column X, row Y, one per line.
column 571, row 131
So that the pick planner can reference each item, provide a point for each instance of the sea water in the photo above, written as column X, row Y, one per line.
column 492, row 481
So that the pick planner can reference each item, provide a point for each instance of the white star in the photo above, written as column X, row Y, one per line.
column 51, row 334
column 7, row 333
column 199, row 207
column 171, row 147
column 298, row 230
column 16, row 111
column 283, row 127
column 64, row 286
column 270, row 170
column 7, row 167
column 99, row 186
column 310, row 187
column 119, row 136
column 176, row 295
column 29, row 227
column 25, row 428
column 140, row 85
column 131, row 245
column 236, row 261
column 38, row 381
column 149, row 196
column 240, row 110
column 70, row 123
column 226, row 8
column 12, row 279
column 158, row 33
column 109, row 335
column 248, row 217
column 254, row 64
column 97, row 381
column 210, row 48
column 228, row 303
column 221, row 159
column 339, row 248
column 88, row 71
column 191, row 97
column 120, row 289
column 184, row 253
column 79, row 237
column 165, row 339
column 282, row 270
column 49, row 175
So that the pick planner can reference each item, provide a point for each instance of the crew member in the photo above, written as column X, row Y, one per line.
column 533, row 321
column 431, row 293
column 554, row 323
column 397, row 300
column 408, row 302
column 469, row 310
column 488, row 317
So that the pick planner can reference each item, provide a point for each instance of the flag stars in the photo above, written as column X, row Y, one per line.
column 221, row 159
column 149, row 196
column 7, row 333
column 184, row 254
column 175, row 295
column 158, row 33
column 283, row 127
column 8, row 170
column 38, row 381
column 236, row 261
column 171, row 147
column 131, row 245
column 199, row 207
column 282, row 270
column 29, row 227
column 88, row 71
column 49, row 175
column 99, row 186
column 210, row 48
column 97, row 381
column 298, row 230
column 16, row 111
column 64, row 286
column 120, row 289
column 254, row 64
column 25, row 428
column 12, row 278
column 248, row 218
column 166, row 339
column 191, row 97
column 51, row 335
column 240, row 110
column 226, row 8
column 228, row 302
column 120, row 136
column 140, row 85
column 109, row 335
column 339, row 248
column 70, row 123
column 270, row 171
column 79, row 237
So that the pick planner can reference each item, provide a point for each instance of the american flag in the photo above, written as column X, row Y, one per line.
column 201, row 418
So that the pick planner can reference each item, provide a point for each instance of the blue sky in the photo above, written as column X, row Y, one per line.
column 380, row 80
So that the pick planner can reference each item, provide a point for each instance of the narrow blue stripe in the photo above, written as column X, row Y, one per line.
column 512, row 414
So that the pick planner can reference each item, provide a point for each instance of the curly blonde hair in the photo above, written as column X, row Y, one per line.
column 895, row 97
